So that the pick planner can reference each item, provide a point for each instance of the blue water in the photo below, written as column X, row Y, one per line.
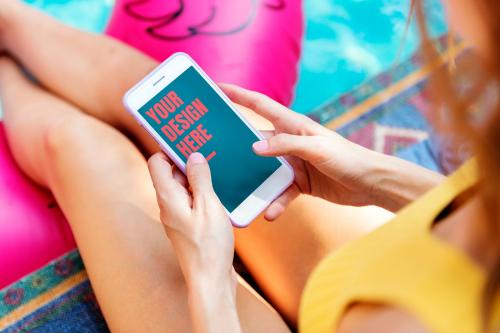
column 89, row 15
column 346, row 42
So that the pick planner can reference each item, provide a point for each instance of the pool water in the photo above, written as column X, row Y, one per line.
column 346, row 42
column 90, row 15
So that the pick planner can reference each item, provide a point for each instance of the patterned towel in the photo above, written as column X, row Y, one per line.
column 57, row 298
column 389, row 112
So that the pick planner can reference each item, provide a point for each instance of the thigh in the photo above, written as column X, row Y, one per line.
column 281, row 255
column 102, row 184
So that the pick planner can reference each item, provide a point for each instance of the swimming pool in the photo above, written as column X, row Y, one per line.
column 346, row 42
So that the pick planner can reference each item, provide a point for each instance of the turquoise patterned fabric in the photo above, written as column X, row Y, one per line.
column 44, row 280
column 75, row 310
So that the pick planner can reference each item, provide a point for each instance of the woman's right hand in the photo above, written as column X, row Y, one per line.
column 329, row 166
column 326, row 165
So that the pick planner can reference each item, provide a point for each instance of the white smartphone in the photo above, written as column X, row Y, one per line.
column 185, row 112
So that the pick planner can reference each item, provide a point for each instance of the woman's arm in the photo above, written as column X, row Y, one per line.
column 214, row 309
column 329, row 166
column 202, row 236
column 397, row 182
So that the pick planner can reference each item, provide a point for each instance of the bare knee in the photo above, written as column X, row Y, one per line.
column 77, row 141
column 67, row 135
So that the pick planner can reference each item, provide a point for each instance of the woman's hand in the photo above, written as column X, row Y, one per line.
column 202, row 237
column 329, row 166
column 326, row 165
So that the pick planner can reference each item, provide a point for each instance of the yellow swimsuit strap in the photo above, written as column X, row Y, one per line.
column 403, row 265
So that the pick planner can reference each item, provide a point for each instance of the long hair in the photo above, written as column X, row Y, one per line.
column 475, row 116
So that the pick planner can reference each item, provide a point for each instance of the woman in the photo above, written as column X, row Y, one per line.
column 145, row 282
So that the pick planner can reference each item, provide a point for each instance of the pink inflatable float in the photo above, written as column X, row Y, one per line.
column 253, row 43
column 33, row 230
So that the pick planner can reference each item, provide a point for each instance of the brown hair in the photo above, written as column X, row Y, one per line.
column 464, row 112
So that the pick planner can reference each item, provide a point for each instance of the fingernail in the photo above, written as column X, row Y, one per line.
column 197, row 158
column 261, row 146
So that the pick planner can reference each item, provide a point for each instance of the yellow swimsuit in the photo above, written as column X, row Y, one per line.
column 402, row 264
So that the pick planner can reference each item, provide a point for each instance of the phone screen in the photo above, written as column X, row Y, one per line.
column 191, row 117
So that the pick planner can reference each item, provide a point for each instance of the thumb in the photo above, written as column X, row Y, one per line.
column 309, row 148
column 199, row 177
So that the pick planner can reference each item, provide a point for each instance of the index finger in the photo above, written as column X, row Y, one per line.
column 176, row 172
column 168, row 190
column 278, row 206
column 260, row 103
column 273, row 111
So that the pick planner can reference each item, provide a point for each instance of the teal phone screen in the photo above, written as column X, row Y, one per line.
column 191, row 117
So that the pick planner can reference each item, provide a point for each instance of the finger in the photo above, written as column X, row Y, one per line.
column 309, row 148
column 161, row 171
column 276, row 209
column 179, row 177
column 176, row 173
column 260, row 103
column 267, row 134
column 169, row 192
column 272, row 110
column 199, row 177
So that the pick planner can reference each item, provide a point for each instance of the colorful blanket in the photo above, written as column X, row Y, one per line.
column 387, row 114
column 57, row 298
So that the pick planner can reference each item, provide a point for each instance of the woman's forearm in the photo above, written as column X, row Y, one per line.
column 397, row 182
column 213, row 310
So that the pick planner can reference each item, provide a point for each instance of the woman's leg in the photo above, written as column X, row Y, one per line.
column 281, row 255
column 88, row 70
column 102, row 184
column 91, row 71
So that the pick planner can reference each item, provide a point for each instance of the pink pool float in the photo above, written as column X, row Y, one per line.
column 253, row 43
column 33, row 230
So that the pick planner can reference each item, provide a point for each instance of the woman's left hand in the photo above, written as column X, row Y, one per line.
column 196, row 224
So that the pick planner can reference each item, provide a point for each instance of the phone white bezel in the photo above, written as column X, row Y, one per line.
column 155, row 82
